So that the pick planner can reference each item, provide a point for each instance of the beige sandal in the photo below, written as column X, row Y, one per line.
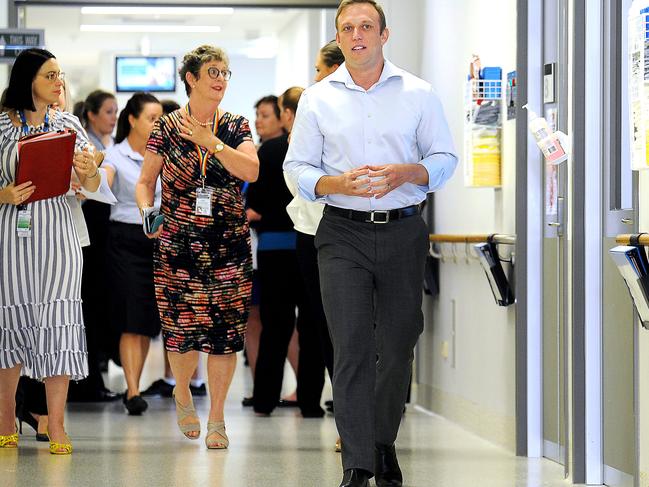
column 217, row 428
column 184, row 412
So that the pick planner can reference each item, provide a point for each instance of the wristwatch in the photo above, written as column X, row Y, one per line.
column 218, row 147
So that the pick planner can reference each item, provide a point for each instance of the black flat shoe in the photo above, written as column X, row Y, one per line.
column 386, row 466
column 198, row 390
column 159, row 388
column 312, row 412
column 135, row 405
column 356, row 477
column 285, row 403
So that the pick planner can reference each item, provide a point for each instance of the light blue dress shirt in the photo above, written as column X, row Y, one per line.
column 127, row 165
column 340, row 126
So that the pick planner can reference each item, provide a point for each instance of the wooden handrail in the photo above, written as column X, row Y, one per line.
column 497, row 238
column 625, row 239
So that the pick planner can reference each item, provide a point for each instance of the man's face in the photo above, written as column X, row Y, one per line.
column 359, row 36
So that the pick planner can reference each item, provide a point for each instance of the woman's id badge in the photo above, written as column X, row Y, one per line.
column 24, row 223
column 203, row 201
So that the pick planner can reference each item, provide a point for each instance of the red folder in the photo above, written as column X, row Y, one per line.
column 46, row 160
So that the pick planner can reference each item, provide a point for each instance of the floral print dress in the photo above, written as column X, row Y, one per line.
column 202, row 264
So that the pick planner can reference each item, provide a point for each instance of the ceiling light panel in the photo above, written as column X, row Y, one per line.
column 157, row 11
column 149, row 28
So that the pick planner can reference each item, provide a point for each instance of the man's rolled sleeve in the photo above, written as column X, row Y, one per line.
column 303, row 161
column 435, row 144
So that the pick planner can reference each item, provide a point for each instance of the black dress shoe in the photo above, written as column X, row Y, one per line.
column 356, row 477
column 386, row 466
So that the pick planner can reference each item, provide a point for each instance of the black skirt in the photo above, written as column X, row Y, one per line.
column 130, row 267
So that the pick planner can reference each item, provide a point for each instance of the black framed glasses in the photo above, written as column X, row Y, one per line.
column 53, row 75
column 214, row 73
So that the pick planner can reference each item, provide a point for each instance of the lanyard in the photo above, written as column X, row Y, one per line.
column 204, row 154
column 23, row 120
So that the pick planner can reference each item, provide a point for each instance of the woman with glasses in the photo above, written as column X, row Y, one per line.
column 202, row 264
column 41, row 333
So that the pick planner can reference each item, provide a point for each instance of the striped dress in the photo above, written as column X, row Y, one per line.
column 41, row 322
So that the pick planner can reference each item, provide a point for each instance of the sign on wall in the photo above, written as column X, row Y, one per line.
column 13, row 41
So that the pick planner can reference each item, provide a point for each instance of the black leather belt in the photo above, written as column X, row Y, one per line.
column 376, row 216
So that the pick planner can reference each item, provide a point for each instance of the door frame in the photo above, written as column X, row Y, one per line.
column 529, row 236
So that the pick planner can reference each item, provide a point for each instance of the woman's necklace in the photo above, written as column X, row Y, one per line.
column 202, row 124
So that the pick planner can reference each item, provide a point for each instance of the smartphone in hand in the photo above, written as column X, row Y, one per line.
column 151, row 220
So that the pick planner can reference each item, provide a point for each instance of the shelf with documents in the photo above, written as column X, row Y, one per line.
column 483, row 132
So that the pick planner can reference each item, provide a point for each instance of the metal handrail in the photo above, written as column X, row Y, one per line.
column 625, row 239
column 467, row 239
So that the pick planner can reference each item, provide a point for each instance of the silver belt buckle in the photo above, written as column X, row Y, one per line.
column 385, row 213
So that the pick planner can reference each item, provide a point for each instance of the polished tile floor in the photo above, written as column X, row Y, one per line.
column 113, row 449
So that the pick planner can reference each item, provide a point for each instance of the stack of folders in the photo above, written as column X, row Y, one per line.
column 490, row 261
column 634, row 267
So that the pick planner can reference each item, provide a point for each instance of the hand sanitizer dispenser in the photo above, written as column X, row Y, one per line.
column 552, row 144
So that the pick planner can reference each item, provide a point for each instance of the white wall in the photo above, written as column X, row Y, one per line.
column 299, row 43
column 405, row 24
column 476, row 387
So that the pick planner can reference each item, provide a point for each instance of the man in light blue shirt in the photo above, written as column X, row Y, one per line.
column 370, row 141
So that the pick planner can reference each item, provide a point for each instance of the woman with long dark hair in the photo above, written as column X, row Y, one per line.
column 134, row 314
column 42, row 334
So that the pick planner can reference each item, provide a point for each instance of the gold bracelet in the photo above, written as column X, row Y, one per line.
column 99, row 158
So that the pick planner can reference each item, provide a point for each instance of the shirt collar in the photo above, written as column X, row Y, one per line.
column 125, row 149
column 342, row 75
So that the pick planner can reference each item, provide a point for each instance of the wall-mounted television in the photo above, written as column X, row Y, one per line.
column 145, row 73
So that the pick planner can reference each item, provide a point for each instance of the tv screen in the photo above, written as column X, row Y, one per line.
column 145, row 73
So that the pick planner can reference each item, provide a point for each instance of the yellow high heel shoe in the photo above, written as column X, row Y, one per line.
column 9, row 441
column 60, row 448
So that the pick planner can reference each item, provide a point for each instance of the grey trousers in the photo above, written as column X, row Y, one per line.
column 371, row 278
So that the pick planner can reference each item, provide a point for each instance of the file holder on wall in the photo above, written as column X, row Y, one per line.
column 631, row 261
column 491, row 264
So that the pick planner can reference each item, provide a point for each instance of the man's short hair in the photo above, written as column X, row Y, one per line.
column 346, row 3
